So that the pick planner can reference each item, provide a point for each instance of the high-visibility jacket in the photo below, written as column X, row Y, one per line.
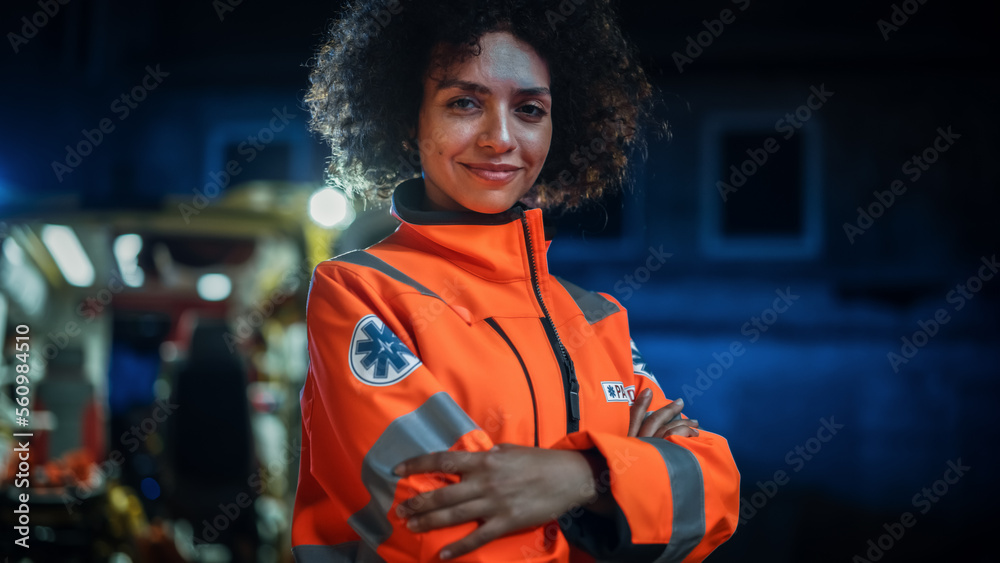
column 451, row 334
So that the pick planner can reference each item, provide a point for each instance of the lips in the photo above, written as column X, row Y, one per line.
column 492, row 172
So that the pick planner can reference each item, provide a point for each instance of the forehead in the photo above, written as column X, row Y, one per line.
column 503, row 60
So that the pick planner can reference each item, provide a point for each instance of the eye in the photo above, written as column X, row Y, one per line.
column 463, row 103
column 533, row 110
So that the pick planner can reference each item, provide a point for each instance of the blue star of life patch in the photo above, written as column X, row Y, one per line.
column 378, row 356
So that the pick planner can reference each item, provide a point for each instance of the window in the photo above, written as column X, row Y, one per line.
column 760, row 187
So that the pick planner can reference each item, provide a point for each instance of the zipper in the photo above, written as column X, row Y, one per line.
column 531, row 388
column 570, row 385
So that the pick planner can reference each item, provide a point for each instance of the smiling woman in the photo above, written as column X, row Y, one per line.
column 463, row 403
column 484, row 128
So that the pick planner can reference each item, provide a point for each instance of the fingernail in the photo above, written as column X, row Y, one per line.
column 445, row 554
column 411, row 525
column 647, row 392
column 680, row 402
column 398, row 470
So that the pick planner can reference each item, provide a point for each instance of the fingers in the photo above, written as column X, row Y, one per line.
column 638, row 411
column 684, row 427
column 660, row 418
column 450, row 516
column 445, row 462
column 484, row 534
column 442, row 498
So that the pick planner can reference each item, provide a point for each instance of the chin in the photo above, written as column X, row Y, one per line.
column 490, row 205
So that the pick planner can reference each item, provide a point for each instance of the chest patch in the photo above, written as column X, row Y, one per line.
column 617, row 392
column 378, row 357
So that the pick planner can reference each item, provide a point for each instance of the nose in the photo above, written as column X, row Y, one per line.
column 496, row 131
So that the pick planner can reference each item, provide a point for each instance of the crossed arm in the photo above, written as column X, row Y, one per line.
column 513, row 487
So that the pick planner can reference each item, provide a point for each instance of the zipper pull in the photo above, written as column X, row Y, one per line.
column 574, row 396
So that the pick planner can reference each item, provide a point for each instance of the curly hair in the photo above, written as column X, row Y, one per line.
column 367, row 87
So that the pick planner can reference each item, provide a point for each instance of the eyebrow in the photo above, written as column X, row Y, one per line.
column 480, row 89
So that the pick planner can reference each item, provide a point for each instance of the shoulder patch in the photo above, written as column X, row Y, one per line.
column 378, row 357
column 638, row 364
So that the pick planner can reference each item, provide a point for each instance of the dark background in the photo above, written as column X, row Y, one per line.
column 826, row 358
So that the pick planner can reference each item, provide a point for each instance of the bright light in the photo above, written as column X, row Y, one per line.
column 330, row 208
column 21, row 280
column 12, row 251
column 127, row 248
column 69, row 255
column 214, row 287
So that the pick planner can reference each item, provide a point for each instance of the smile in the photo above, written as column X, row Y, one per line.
column 491, row 174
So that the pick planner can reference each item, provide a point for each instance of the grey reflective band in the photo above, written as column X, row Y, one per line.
column 362, row 258
column 434, row 426
column 687, row 487
column 347, row 552
column 595, row 306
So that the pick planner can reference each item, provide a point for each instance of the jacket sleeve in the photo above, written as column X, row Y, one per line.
column 677, row 498
column 368, row 404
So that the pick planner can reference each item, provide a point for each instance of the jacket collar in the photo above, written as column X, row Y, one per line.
column 491, row 245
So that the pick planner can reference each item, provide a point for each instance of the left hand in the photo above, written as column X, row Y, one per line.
column 507, row 488
column 661, row 423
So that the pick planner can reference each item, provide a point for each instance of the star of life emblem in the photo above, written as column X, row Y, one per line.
column 617, row 392
column 378, row 357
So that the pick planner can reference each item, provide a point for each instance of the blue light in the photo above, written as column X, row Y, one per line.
column 150, row 488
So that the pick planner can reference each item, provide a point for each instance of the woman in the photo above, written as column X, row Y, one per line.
column 462, row 403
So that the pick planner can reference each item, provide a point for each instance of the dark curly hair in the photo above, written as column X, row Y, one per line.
column 367, row 87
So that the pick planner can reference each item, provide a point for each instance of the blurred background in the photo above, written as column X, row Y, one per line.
column 809, row 262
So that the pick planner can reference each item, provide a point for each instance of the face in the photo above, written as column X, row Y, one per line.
column 485, row 127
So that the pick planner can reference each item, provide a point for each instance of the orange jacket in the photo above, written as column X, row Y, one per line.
column 452, row 334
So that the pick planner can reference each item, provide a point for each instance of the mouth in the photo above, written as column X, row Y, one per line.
column 494, row 173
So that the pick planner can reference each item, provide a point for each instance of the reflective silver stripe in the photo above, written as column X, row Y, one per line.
column 362, row 258
column 687, row 486
column 595, row 306
column 433, row 427
column 347, row 552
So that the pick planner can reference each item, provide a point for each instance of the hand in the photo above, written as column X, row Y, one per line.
column 661, row 423
column 507, row 488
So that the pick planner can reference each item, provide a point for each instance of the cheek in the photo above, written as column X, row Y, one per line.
column 442, row 141
column 538, row 146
